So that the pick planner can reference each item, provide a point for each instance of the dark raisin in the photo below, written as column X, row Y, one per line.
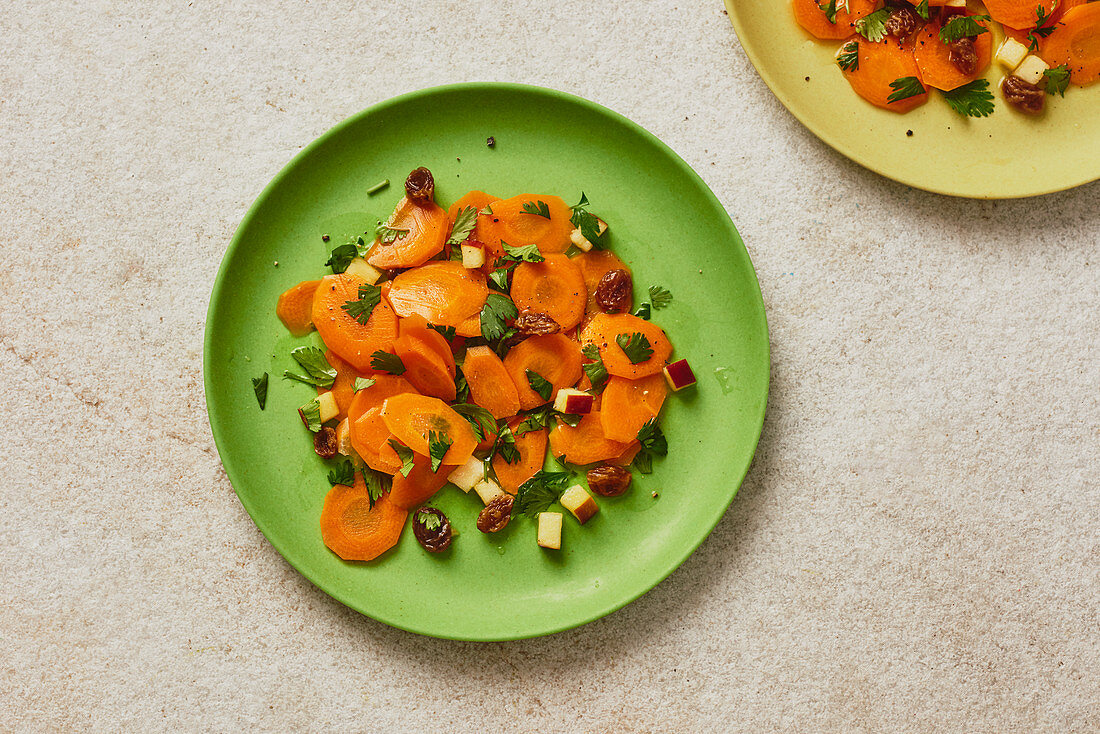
column 324, row 442
column 420, row 186
column 964, row 55
column 533, row 323
column 1023, row 96
column 902, row 22
column 608, row 481
column 496, row 514
column 615, row 291
column 434, row 539
column 490, row 141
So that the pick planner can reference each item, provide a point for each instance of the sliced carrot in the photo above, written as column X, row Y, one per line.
column 1018, row 13
column 933, row 58
column 295, row 307
column 1076, row 42
column 443, row 292
column 370, row 438
column 554, row 357
column 470, row 327
column 532, row 455
column 417, row 488
column 603, row 331
column 879, row 65
column 343, row 387
column 554, row 287
column 584, row 443
column 491, row 386
column 416, row 327
column 411, row 418
column 1064, row 7
column 429, row 364
column 812, row 18
column 427, row 225
column 627, row 455
column 594, row 265
column 350, row 340
column 479, row 200
column 384, row 386
column 628, row 404
column 354, row 530
column 509, row 223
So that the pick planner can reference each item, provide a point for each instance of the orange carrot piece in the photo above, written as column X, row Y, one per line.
column 933, row 58
column 628, row 404
column 416, row 327
column 354, row 530
column 343, row 387
column 491, row 386
column 411, row 418
column 370, row 438
column 470, row 327
column 532, row 455
column 429, row 364
column 1076, row 42
column 1018, row 13
column 554, row 357
column 295, row 307
column 594, row 265
column 417, row 488
column 554, row 287
column 479, row 200
column 603, row 330
column 385, row 386
column 879, row 64
column 627, row 455
column 812, row 18
column 509, row 223
column 427, row 225
column 443, row 292
column 350, row 340
column 584, row 443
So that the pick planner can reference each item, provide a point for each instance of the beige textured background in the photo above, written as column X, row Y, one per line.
column 915, row 549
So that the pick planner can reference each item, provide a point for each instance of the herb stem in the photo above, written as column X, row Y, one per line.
column 378, row 187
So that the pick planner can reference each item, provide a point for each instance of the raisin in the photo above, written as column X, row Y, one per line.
column 438, row 538
column 1023, row 96
column 496, row 514
column 614, row 291
column 902, row 22
column 324, row 442
column 964, row 55
column 608, row 481
column 533, row 323
column 420, row 186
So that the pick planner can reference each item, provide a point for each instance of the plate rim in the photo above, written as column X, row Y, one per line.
column 221, row 282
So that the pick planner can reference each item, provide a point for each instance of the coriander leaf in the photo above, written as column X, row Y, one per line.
column 963, row 26
column 539, row 384
column 361, row 310
column 643, row 462
column 505, row 445
column 539, row 210
column 904, row 88
column 659, row 297
column 527, row 253
column 487, row 211
column 848, row 57
column 438, row 445
column 534, row 420
column 500, row 276
column 259, row 385
column 830, row 9
column 539, row 492
column 462, row 388
column 341, row 257
column 481, row 420
column 342, row 473
column 405, row 454
column 387, row 234
column 644, row 311
column 447, row 332
column 591, row 226
column 378, row 483
column 310, row 413
column 456, row 253
column 596, row 371
column 386, row 362
column 1057, row 80
column 635, row 346
column 922, row 9
column 873, row 26
column 319, row 372
column 464, row 225
column 568, row 419
column 653, row 443
column 362, row 383
column 429, row 520
column 497, row 311
column 971, row 100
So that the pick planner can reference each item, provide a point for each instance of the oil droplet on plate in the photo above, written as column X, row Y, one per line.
column 725, row 376
column 500, row 550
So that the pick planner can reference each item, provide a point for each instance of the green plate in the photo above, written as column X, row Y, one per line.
column 665, row 223
column 1005, row 155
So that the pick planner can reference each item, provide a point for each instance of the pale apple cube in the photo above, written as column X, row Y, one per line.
column 579, row 240
column 580, row 503
column 549, row 535
column 473, row 257
column 487, row 490
column 329, row 408
column 360, row 268
column 467, row 475
column 955, row 4
column 1011, row 53
column 1031, row 70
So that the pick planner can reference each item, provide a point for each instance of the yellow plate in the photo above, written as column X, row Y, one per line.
column 1002, row 156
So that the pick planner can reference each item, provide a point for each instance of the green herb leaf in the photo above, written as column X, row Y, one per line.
column 1057, row 79
column 848, row 58
column 378, row 187
column 362, row 383
column 462, row 388
column 386, row 234
column 310, row 414
column 447, row 332
column 341, row 257
column 540, row 384
column 342, row 473
column 405, row 454
column 653, row 443
column 378, row 483
column 505, row 445
column 495, row 315
column 539, row 492
column 527, row 253
column 536, row 419
column 922, row 9
column 644, row 311
column 319, row 372
column 586, row 222
column 963, row 26
column 438, row 444
column 429, row 520
column 873, row 26
column 464, row 225
column 539, row 210
column 369, row 297
column 830, row 9
column 499, row 277
column 386, row 362
column 659, row 297
column 635, row 346
column 259, row 385
column 481, row 420
column 596, row 371
column 487, row 211
column 971, row 100
column 904, row 88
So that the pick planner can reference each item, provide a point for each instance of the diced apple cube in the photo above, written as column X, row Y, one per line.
column 955, row 4
column 487, row 489
column 573, row 402
column 329, row 408
column 467, row 475
column 578, row 239
column 473, row 257
column 550, row 530
column 679, row 375
column 1031, row 69
column 1012, row 53
column 360, row 268
column 580, row 503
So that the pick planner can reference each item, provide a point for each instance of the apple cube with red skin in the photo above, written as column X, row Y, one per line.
column 580, row 503
column 679, row 375
column 573, row 402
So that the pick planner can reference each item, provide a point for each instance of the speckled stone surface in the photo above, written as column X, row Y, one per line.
column 915, row 549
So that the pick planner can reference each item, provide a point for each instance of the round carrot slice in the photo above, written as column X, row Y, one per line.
column 491, row 386
column 427, row 226
column 812, row 18
column 370, row 438
column 879, row 65
column 417, row 488
column 510, row 223
column 385, row 386
column 350, row 340
column 295, row 307
column 594, row 265
column 411, row 418
column 603, row 331
column 479, row 200
column 343, row 387
column 584, row 443
column 628, row 404
column 356, row 531
column 933, row 58
column 443, row 292
column 1076, row 42
column 532, row 454
column 554, row 287
column 1018, row 13
column 554, row 357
